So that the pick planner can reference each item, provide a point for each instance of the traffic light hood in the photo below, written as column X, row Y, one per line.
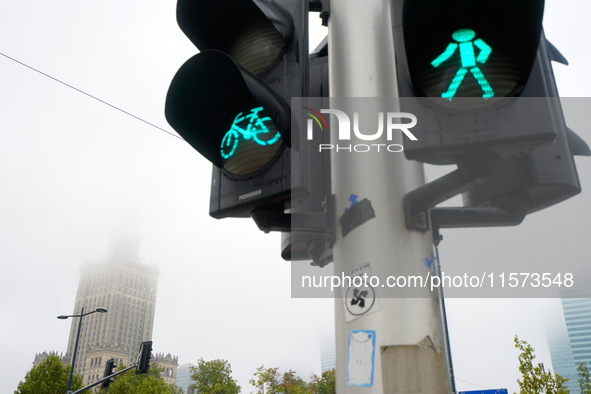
column 202, row 109
column 238, row 28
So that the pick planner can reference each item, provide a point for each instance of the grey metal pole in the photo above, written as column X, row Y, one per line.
column 93, row 384
column 407, row 355
column 69, row 388
column 447, row 348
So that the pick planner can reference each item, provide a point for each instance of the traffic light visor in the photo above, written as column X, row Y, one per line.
column 229, row 117
column 254, row 33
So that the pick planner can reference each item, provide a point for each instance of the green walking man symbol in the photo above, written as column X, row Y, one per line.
column 464, row 38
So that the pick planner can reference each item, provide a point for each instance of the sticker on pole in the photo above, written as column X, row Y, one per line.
column 359, row 213
column 360, row 358
column 359, row 296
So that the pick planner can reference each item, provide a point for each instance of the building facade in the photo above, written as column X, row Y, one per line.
column 183, row 377
column 328, row 357
column 127, row 289
column 577, row 314
column 571, row 345
column 41, row 357
column 169, row 365
column 561, row 353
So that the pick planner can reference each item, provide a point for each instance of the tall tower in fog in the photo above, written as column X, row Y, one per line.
column 127, row 289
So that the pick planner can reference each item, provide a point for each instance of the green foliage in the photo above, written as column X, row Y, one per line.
column 535, row 379
column 293, row 384
column 270, row 381
column 266, row 380
column 50, row 377
column 584, row 382
column 324, row 384
column 148, row 383
column 213, row 376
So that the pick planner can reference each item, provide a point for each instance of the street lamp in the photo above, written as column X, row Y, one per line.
column 81, row 315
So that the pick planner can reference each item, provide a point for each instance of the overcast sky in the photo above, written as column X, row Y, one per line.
column 70, row 166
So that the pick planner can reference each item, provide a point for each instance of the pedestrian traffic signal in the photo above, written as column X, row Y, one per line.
column 231, row 100
column 109, row 366
column 464, row 68
column 478, row 76
column 143, row 361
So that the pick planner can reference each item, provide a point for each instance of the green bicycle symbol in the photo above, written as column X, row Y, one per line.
column 255, row 127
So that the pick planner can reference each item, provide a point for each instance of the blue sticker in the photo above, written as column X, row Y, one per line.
column 353, row 199
column 430, row 263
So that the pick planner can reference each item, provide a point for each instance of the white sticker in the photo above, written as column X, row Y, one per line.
column 359, row 297
column 360, row 358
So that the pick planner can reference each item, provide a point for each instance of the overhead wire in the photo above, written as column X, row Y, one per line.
column 474, row 384
column 91, row 96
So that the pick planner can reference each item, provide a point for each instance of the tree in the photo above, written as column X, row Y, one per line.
column 325, row 384
column 266, row 380
column 584, row 382
column 293, row 384
column 149, row 383
column 535, row 379
column 213, row 376
column 270, row 381
column 50, row 377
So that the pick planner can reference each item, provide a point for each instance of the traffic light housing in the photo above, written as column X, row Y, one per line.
column 109, row 366
column 297, row 246
column 547, row 175
column 143, row 363
column 231, row 100
column 464, row 68
column 478, row 76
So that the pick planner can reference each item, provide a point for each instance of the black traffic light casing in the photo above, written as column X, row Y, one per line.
column 109, row 366
column 547, row 175
column 231, row 100
column 297, row 246
column 478, row 76
column 143, row 363
column 463, row 67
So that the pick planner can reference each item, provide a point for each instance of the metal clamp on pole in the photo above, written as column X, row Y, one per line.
column 510, row 215
column 418, row 202
column 472, row 172
column 322, row 6
column 310, row 223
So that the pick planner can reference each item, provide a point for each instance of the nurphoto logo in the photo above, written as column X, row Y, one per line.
column 393, row 121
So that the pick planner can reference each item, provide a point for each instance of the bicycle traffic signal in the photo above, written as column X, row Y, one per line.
column 231, row 100
column 109, row 366
column 143, row 363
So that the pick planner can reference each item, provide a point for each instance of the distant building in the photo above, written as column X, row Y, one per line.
column 577, row 314
column 561, row 353
column 41, row 357
column 127, row 289
column 170, row 365
column 183, row 377
column 328, row 356
column 570, row 345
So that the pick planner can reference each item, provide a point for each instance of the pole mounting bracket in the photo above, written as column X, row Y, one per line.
column 310, row 223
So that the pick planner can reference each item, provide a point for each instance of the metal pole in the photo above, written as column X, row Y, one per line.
column 69, row 388
column 93, row 384
column 408, row 353
column 451, row 378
